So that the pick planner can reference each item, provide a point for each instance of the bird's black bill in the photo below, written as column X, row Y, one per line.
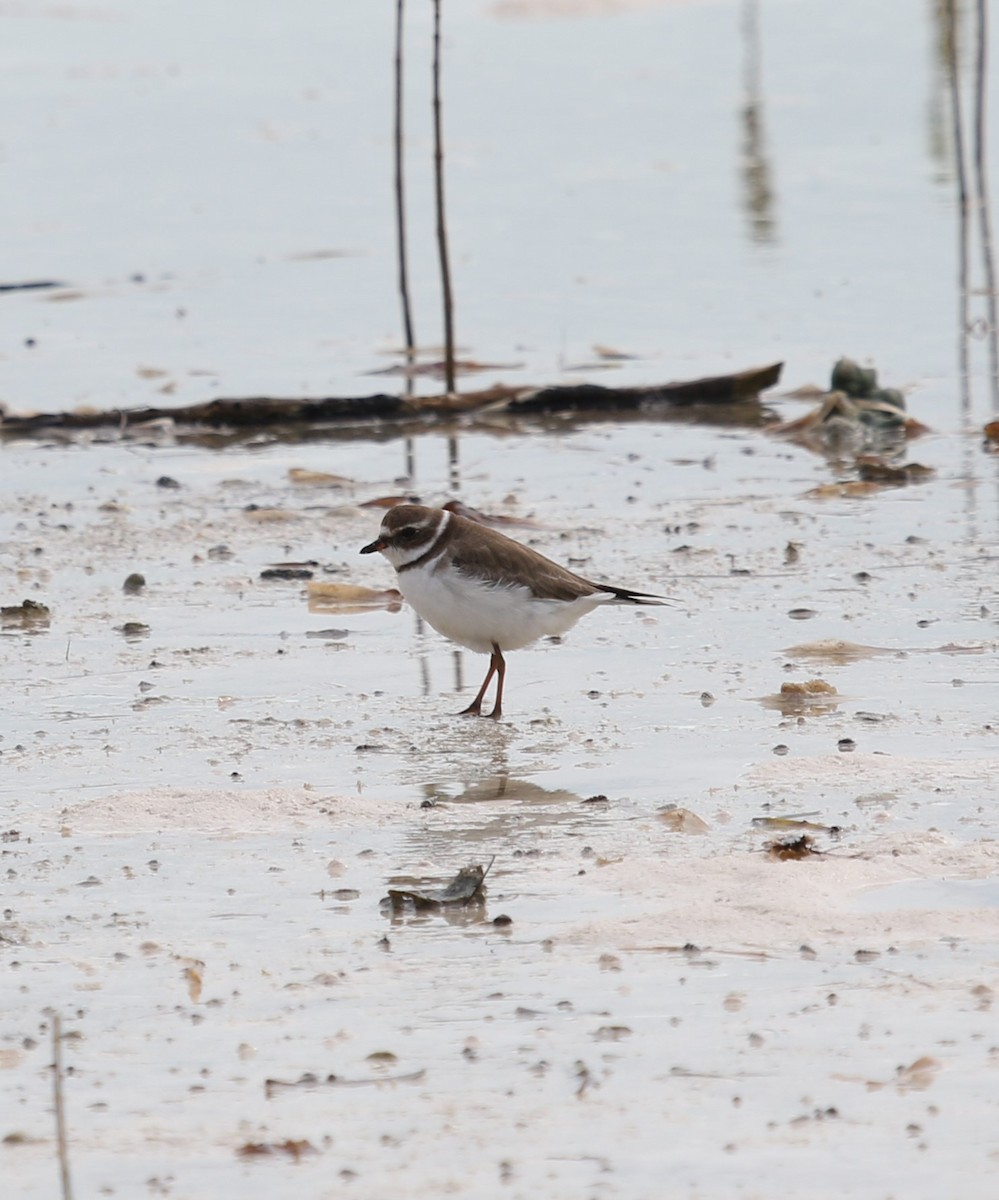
column 371, row 547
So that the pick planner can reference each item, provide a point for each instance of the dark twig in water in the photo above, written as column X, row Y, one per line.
column 60, row 1108
column 442, row 250
column 309, row 1081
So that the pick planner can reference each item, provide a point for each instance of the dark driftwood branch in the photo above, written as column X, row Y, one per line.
column 590, row 397
column 264, row 411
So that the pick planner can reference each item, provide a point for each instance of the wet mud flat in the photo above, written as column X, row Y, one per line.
column 733, row 930
column 738, row 931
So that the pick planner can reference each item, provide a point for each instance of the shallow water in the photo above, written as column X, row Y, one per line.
column 705, row 186
column 935, row 893
column 201, row 820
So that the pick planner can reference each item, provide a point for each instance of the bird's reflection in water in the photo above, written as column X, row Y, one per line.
column 500, row 786
column 454, row 915
column 498, row 819
column 499, row 814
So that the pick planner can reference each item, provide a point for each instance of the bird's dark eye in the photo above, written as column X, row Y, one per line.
column 407, row 534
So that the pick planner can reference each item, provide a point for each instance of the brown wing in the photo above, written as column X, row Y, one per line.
column 496, row 557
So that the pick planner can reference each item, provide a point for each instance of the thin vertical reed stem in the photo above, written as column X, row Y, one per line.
column 442, row 250
column 982, row 197
column 957, row 132
column 60, row 1108
column 400, row 196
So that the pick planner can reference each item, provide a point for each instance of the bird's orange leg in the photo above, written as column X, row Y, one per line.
column 498, row 664
column 475, row 708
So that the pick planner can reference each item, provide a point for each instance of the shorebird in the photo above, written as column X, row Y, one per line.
column 483, row 590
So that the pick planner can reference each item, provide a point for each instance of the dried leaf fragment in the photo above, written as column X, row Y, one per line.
column 846, row 489
column 194, row 977
column 799, row 821
column 306, row 478
column 790, row 849
column 294, row 1148
column 916, row 1077
column 270, row 516
column 808, row 687
column 804, row 697
column 874, row 468
column 834, row 652
column 389, row 501
column 682, row 820
column 351, row 597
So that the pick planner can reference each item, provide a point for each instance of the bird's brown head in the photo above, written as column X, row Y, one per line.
column 407, row 531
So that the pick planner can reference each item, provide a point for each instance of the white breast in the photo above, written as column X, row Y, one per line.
column 478, row 614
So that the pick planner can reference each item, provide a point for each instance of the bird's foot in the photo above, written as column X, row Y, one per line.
column 475, row 710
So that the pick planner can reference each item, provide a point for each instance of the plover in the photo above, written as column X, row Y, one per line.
column 483, row 590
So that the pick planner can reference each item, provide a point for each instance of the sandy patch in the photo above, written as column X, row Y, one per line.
column 745, row 900
column 898, row 773
column 213, row 811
